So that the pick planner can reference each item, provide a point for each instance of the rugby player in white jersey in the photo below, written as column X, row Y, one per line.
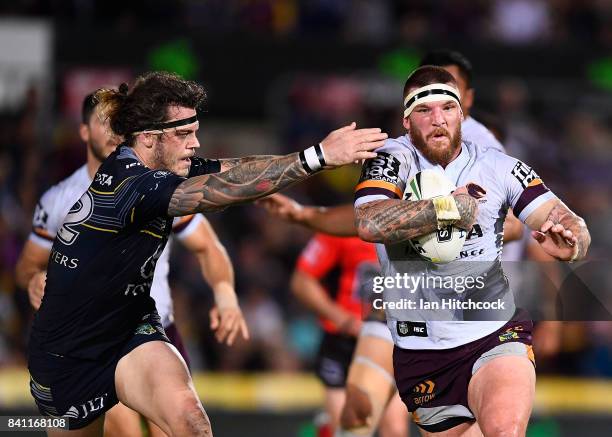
column 370, row 385
column 193, row 231
column 460, row 373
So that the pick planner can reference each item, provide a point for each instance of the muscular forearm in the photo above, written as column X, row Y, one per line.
column 217, row 268
column 244, row 182
column 228, row 163
column 336, row 220
column 393, row 221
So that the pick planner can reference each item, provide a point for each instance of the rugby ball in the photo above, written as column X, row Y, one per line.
column 445, row 244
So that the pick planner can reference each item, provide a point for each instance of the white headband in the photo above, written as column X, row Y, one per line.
column 430, row 93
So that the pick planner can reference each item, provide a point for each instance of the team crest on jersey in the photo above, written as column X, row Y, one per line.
column 525, row 175
column 508, row 335
column 385, row 167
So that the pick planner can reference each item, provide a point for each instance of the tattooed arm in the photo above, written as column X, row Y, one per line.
column 393, row 221
column 559, row 231
column 241, row 183
column 259, row 176
column 228, row 163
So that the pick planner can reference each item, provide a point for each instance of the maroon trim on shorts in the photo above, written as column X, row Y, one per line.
column 176, row 339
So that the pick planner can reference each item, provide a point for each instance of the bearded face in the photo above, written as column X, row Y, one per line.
column 439, row 146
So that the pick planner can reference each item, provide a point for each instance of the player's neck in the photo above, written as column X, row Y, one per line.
column 144, row 154
column 93, row 164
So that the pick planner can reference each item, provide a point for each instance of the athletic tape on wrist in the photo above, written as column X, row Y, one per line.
column 446, row 209
column 312, row 159
column 575, row 254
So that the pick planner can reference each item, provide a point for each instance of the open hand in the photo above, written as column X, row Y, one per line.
column 227, row 323
column 349, row 144
column 556, row 241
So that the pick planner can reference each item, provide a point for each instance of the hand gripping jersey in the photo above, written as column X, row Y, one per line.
column 106, row 250
column 509, row 184
column 357, row 263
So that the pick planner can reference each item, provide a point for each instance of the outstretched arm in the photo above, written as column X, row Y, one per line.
column 260, row 177
column 559, row 231
column 335, row 220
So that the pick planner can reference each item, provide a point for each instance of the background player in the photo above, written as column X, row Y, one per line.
column 193, row 231
column 341, row 308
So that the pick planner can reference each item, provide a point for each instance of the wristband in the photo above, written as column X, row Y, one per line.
column 446, row 210
column 312, row 159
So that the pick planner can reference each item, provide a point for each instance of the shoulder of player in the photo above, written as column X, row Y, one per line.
column 475, row 131
column 396, row 146
column 63, row 191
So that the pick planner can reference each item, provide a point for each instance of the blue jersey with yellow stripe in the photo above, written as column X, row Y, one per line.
column 104, row 255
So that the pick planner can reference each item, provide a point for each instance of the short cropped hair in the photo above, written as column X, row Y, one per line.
column 428, row 75
column 441, row 58
column 147, row 103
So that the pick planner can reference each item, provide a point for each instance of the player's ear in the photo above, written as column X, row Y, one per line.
column 84, row 133
column 147, row 139
column 406, row 123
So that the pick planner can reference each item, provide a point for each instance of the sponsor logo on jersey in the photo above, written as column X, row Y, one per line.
column 444, row 234
column 525, row 175
column 160, row 174
column 412, row 329
column 473, row 252
column 475, row 232
column 424, row 392
column 103, row 179
column 63, row 260
column 385, row 167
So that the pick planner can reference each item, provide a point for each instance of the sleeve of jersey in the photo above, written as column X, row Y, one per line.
column 319, row 256
column 44, row 224
column 200, row 166
column 381, row 178
column 184, row 226
column 155, row 189
column 525, row 190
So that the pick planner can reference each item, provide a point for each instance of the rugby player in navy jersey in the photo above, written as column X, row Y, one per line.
column 97, row 338
column 193, row 231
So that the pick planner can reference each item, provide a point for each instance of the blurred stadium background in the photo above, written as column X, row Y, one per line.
column 280, row 75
